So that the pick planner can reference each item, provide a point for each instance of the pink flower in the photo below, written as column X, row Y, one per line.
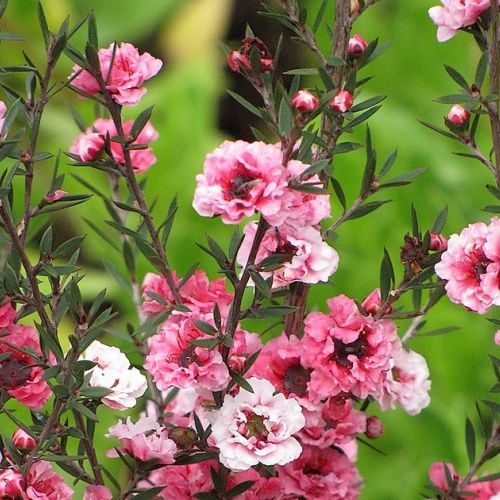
column 174, row 361
column 3, row 111
column 43, row 483
column 336, row 423
column 7, row 313
column 322, row 474
column 264, row 488
column 11, row 484
column 350, row 353
column 357, row 45
column 89, row 145
column 22, row 440
column 456, row 14
column 56, row 195
column 145, row 440
column 438, row 242
column 497, row 337
column 113, row 372
column 408, row 383
column 198, row 293
column 125, row 78
column 304, row 101
column 471, row 264
column 257, row 427
column 307, row 258
column 181, row 482
column 239, row 179
column 458, row 115
column 342, row 102
column 18, row 376
column 97, row 492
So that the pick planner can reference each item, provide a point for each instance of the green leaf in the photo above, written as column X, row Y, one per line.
column 366, row 209
column 457, row 99
column 205, row 327
column 247, row 105
column 141, row 121
column 12, row 37
column 368, row 103
column 285, row 118
column 240, row 488
column 404, row 179
column 207, row 343
column 68, row 247
column 492, row 208
column 302, row 72
column 387, row 277
column 95, row 392
column 361, row 118
column 438, row 224
column 437, row 129
column 346, row 147
column 482, row 66
column 371, row 161
column 45, row 246
column 92, row 30
column 339, row 192
column 319, row 16
column 457, row 77
column 261, row 284
column 239, row 380
column 470, row 441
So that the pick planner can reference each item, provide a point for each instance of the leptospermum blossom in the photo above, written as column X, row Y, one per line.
column 145, row 440
column 91, row 143
column 7, row 313
column 351, row 353
column 124, row 71
column 458, row 115
column 42, row 482
column 306, row 257
column 22, row 440
column 258, row 427
column 341, row 102
column 113, row 371
column 320, row 473
column 408, row 383
column 18, row 373
column 471, row 264
column 3, row 111
column 456, row 14
column 357, row 45
column 263, row 488
column 304, row 101
column 11, row 483
column 97, row 492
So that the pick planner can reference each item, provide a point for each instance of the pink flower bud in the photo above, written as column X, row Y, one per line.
column 438, row 242
column 236, row 61
column 23, row 440
column 11, row 484
column 341, row 102
column 304, row 101
column 357, row 45
column 374, row 428
column 458, row 115
column 354, row 6
column 55, row 196
column 373, row 302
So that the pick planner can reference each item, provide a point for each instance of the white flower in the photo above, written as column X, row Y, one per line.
column 113, row 372
column 257, row 427
column 408, row 383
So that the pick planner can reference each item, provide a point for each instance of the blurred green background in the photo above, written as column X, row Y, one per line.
column 193, row 116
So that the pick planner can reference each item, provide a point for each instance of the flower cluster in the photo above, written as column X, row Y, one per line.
column 471, row 266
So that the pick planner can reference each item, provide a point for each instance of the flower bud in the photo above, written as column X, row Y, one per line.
column 374, row 428
column 236, row 61
column 183, row 437
column 458, row 115
column 341, row 102
column 304, row 101
column 357, row 45
column 373, row 302
column 438, row 242
column 354, row 6
column 23, row 440
column 55, row 196
column 11, row 484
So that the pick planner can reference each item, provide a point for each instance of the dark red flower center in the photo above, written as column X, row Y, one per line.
column 187, row 357
column 13, row 373
column 240, row 186
column 296, row 379
column 358, row 348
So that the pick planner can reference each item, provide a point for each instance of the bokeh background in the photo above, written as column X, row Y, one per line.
column 193, row 115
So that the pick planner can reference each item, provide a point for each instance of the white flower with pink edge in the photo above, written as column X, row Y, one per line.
column 253, row 428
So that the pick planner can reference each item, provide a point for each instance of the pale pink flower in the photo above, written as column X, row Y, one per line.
column 11, row 484
column 458, row 115
column 42, row 483
column 97, row 492
column 181, row 482
column 336, row 423
column 341, row 102
column 22, row 440
column 244, row 345
column 90, row 144
column 471, row 264
column 198, row 293
column 350, row 353
column 308, row 258
column 128, row 73
column 145, row 440
column 7, row 313
column 264, row 488
column 113, row 372
column 18, row 376
column 3, row 111
column 322, row 474
column 174, row 361
column 56, row 195
column 357, row 45
column 456, row 14
column 304, row 101
column 239, row 179
column 408, row 383
column 497, row 337
column 257, row 427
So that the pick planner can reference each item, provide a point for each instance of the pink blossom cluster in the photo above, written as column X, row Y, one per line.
column 112, row 371
column 454, row 15
column 123, row 71
column 91, row 144
column 20, row 375
column 471, row 266
column 482, row 490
